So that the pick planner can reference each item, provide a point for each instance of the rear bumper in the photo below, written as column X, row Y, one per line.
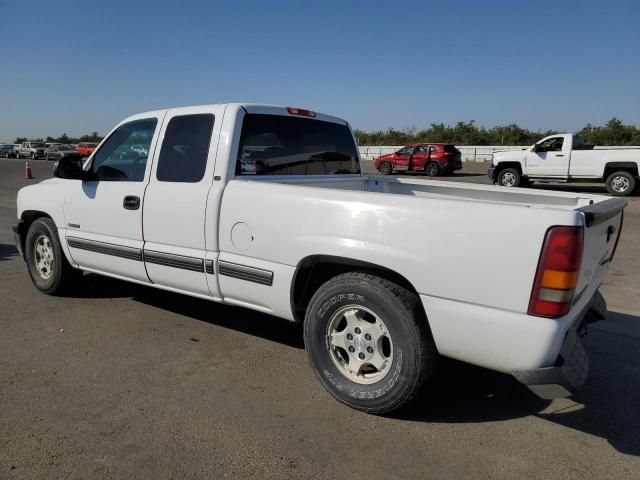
column 570, row 370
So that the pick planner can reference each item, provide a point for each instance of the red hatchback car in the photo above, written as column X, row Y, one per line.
column 86, row 148
column 430, row 158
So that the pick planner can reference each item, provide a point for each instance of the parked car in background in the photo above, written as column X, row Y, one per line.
column 567, row 158
column 31, row 150
column 58, row 151
column 49, row 144
column 430, row 158
column 86, row 148
column 7, row 150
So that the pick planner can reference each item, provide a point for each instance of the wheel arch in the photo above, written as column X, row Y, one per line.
column 314, row 270
column 27, row 217
column 612, row 167
column 502, row 165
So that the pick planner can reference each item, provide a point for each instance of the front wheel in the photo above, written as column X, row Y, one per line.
column 385, row 168
column 509, row 177
column 49, row 269
column 369, row 342
column 620, row 184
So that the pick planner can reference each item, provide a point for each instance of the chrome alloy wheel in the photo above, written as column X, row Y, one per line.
column 43, row 257
column 619, row 184
column 508, row 179
column 359, row 344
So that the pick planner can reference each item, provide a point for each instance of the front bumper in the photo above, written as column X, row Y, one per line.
column 570, row 370
column 17, row 239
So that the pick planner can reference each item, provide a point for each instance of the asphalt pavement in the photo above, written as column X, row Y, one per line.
column 124, row 381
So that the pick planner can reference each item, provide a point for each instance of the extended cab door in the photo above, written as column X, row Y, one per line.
column 179, row 251
column 549, row 158
column 103, row 214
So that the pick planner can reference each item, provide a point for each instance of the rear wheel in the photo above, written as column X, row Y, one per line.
column 385, row 168
column 432, row 169
column 621, row 184
column 49, row 269
column 509, row 177
column 369, row 342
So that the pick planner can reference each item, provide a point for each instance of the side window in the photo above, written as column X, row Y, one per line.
column 183, row 157
column 551, row 145
column 433, row 149
column 405, row 151
column 123, row 156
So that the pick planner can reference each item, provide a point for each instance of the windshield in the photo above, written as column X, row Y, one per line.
column 279, row 145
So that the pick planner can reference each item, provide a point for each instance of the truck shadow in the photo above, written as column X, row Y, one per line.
column 7, row 252
column 607, row 407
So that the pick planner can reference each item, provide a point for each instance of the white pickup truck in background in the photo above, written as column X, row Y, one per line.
column 567, row 158
column 265, row 207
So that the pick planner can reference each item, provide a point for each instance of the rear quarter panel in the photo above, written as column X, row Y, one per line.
column 478, row 253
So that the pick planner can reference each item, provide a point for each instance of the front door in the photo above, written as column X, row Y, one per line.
column 103, row 214
column 175, row 217
column 401, row 158
column 549, row 158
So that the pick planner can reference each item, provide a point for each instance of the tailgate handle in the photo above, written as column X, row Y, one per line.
column 610, row 231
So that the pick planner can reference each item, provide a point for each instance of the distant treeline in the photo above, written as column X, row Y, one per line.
column 614, row 132
column 64, row 138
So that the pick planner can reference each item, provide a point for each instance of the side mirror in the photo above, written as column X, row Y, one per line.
column 69, row 168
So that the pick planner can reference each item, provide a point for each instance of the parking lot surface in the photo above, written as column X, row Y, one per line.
column 122, row 381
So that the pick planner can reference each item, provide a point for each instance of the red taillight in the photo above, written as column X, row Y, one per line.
column 301, row 111
column 557, row 274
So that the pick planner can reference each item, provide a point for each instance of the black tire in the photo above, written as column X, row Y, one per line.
column 411, row 355
column 385, row 168
column 432, row 169
column 62, row 275
column 509, row 177
column 620, row 184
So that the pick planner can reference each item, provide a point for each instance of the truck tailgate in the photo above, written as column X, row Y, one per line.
column 603, row 224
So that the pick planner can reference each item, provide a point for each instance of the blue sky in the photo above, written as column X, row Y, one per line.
column 80, row 66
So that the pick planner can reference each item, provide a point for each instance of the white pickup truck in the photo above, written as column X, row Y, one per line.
column 265, row 208
column 567, row 158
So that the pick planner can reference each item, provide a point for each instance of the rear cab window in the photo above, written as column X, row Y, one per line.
column 280, row 145
column 183, row 157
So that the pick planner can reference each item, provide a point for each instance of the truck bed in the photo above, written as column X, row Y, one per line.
column 448, row 190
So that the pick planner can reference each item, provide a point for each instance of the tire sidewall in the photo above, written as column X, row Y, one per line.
column 629, row 191
column 389, row 168
column 433, row 173
column 509, row 170
column 403, row 370
column 37, row 228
